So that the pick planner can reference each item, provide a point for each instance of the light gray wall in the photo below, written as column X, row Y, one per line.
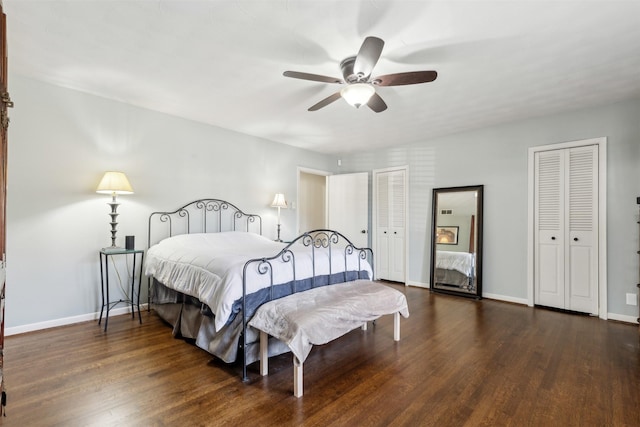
column 61, row 142
column 497, row 157
column 463, row 222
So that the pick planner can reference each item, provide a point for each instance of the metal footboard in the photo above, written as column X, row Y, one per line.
column 324, row 241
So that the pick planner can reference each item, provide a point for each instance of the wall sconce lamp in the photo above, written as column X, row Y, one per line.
column 114, row 183
column 279, row 202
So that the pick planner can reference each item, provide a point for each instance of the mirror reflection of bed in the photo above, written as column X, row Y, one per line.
column 457, row 240
column 455, row 270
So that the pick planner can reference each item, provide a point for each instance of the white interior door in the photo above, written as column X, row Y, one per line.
column 348, row 206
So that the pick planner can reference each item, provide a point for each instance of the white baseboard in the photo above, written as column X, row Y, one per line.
column 623, row 318
column 418, row 284
column 66, row 321
column 484, row 294
column 505, row 298
column 125, row 310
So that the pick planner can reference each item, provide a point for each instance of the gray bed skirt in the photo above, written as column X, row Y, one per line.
column 453, row 279
column 192, row 320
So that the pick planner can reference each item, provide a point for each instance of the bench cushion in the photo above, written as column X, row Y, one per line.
column 320, row 315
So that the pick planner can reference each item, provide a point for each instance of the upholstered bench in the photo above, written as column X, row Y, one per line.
column 320, row 315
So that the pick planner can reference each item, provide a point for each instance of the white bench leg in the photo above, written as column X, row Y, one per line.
column 364, row 326
column 396, row 326
column 297, row 377
column 264, row 353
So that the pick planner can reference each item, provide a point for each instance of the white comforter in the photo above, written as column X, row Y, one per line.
column 210, row 266
column 459, row 261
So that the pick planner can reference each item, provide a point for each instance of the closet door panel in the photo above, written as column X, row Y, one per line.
column 549, row 229
column 581, row 285
column 383, row 219
column 582, row 164
column 396, row 255
column 390, row 225
column 550, row 277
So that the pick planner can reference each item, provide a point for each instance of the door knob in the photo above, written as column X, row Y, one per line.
column 553, row 238
column 364, row 231
column 575, row 239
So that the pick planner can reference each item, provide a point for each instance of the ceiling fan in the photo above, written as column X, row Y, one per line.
column 360, row 86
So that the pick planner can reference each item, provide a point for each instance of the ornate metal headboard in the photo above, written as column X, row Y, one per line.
column 201, row 216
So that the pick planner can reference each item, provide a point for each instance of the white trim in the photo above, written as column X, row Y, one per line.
column 67, row 321
column 505, row 298
column 623, row 318
column 602, row 217
column 417, row 284
column 374, row 206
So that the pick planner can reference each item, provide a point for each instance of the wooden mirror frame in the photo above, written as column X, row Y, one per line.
column 475, row 239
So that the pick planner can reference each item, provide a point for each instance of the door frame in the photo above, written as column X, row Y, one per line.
column 602, row 218
column 374, row 209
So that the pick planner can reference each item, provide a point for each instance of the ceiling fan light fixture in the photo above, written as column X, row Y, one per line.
column 357, row 94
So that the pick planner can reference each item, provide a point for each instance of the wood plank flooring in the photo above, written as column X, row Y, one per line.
column 460, row 362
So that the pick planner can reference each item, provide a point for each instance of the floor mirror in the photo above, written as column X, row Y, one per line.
column 456, row 243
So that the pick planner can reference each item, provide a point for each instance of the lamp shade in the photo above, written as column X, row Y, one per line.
column 279, row 201
column 114, row 183
column 358, row 94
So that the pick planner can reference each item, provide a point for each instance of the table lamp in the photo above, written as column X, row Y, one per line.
column 114, row 183
column 279, row 202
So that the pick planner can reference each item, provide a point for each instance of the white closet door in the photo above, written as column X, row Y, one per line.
column 397, row 230
column 566, row 253
column 390, row 225
column 549, row 229
column 582, row 243
column 383, row 220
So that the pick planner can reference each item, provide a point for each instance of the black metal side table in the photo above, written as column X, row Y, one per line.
column 104, row 282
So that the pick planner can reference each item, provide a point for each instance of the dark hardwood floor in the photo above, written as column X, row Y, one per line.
column 459, row 362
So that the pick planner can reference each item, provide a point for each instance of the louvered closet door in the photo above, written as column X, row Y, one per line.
column 390, row 225
column 383, row 226
column 397, row 206
column 583, row 224
column 549, row 232
column 566, row 258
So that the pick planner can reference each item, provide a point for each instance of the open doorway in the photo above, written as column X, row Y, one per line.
column 338, row 202
column 312, row 199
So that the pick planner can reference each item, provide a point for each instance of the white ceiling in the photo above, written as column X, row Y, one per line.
column 221, row 62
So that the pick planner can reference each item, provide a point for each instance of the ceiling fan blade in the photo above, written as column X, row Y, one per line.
column 368, row 56
column 312, row 77
column 376, row 103
column 328, row 100
column 410, row 78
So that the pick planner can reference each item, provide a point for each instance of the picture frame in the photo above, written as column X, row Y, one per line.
column 447, row 235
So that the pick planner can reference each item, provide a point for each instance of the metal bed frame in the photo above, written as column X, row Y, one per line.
column 200, row 216
column 317, row 240
column 216, row 215
column 204, row 216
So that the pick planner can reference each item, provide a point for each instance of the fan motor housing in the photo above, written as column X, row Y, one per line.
column 346, row 66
